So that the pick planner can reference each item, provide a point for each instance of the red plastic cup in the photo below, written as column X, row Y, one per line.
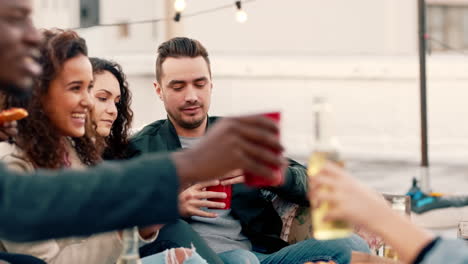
column 221, row 188
column 254, row 180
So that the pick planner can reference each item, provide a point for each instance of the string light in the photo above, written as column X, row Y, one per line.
column 163, row 19
column 241, row 15
column 179, row 5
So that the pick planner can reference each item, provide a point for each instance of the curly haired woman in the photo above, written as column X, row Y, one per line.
column 112, row 119
column 55, row 136
column 59, row 133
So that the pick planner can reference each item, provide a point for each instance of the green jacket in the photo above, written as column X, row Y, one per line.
column 259, row 220
column 53, row 204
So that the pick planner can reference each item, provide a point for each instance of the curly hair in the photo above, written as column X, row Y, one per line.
column 38, row 137
column 117, row 141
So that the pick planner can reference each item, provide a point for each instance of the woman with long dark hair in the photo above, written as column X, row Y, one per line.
column 58, row 134
column 112, row 118
column 58, row 106
column 112, row 115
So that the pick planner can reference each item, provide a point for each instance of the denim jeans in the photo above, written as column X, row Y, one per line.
column 160, row 258
column 180, row 234
column 312, row 250
column 238, row 256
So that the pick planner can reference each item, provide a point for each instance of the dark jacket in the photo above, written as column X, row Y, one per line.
column 53, row 204
column 259, row 220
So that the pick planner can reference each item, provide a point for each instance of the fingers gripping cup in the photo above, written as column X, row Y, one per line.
column 221, row 188
column 254, row 180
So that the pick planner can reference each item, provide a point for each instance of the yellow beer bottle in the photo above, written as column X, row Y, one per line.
column 130, row 254
column 325, row 149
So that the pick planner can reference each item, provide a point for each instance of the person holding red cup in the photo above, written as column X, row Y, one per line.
column 225, row 186
column 245, row 228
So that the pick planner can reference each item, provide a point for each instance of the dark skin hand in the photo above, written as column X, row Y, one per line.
column 248, row 142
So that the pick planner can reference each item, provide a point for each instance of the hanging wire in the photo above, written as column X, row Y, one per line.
column 156, row 20
column 215, row 9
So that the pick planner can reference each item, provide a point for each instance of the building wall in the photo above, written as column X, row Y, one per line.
column 360, row 54
column 56, row 13
column 333, row 27
column 336, row 27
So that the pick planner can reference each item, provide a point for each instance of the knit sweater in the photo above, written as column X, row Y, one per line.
column 97, row 249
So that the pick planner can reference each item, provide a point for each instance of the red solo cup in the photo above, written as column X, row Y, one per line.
column 221, row 188
column 254, row 180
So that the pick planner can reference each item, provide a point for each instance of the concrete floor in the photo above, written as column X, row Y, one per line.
column 395, row 177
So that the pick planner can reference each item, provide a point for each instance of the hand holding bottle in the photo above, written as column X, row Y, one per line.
column 348, row 199
column 326, row 149
column 353, row 201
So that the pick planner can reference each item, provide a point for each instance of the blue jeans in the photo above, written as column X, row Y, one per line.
column 160, row 258
column 180, row 234
column 312, row 250
column 239, row 256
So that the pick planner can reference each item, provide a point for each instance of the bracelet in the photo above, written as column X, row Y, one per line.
column 153, row 237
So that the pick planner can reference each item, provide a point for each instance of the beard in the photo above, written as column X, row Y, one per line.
column 191, row 125
column 187, row 124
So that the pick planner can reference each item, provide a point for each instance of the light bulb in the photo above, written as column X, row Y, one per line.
column 179, row 5
column 241, row 16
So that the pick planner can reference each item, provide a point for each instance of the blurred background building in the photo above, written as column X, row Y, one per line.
column 360, row 54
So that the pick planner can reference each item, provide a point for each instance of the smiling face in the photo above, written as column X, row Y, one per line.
column 68, row 99
column 18, row 44
column 106, row 96
column 185, row 89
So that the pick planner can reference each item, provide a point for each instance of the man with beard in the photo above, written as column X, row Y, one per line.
column 110, row 196
column 249, row 231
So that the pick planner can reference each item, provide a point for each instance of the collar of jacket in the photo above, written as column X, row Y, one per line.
column 169, row 132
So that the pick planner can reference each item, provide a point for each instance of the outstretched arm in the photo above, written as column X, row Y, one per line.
column 50, row 204
column 139, row 192
column 352, row 201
